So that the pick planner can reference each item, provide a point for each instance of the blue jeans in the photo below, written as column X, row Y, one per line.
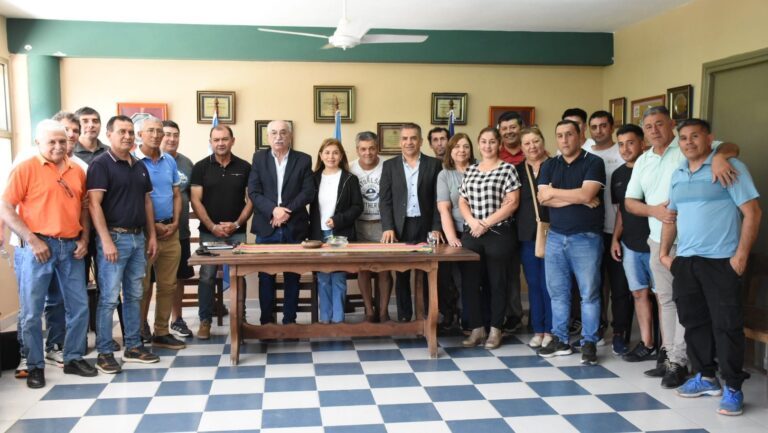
column 538, row 297
column 331, row 292
column 54, row 312
column 281, row 235
column 35, row 282
column 127, row 272
column 207, row 286
column 580, row 255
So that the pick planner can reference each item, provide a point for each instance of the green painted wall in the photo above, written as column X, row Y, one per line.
column 218, row 42
column 44, row 87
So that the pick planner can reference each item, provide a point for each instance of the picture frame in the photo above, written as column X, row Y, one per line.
column 618, row 109
column 442, row 103
column 389, row 137
column 327, row 98
column 208, row 100
column 638, row 106
column 261, row 133
column 527, row 113
column 680, row 102
column 138, row 110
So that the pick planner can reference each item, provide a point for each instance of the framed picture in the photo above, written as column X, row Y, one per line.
column 328, row 99
column 261, row 133
column 389, row 138
column 527, row 113
column 442, row 103
column 209, row 102
column 138, row 110
column 640, row 105
column 680, row 102
column 618, row 109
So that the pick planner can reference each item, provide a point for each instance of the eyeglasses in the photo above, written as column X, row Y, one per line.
column 66, row 188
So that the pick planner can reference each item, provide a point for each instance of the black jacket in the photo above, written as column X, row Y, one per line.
column 349, row 206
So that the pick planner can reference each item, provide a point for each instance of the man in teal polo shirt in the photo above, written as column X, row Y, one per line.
column 712, row 250
column 647, row 196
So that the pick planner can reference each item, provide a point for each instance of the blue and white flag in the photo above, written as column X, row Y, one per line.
column 337, row 117
column 451, row 121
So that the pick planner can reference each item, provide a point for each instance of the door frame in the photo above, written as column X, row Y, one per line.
column 709, row 70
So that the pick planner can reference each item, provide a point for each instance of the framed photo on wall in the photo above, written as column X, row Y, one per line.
column 330, row 98
column 618, row 109
column 443, row 103
column 527, row 113
column 261, row 133
column 640, row 105
column 139, row 110
column 389, row 137
column 680, row 102
column 209, row 101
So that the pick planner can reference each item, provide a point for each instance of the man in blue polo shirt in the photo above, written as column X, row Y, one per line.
column 166, row 200
column 120, row 206
column 712, row 249
column 571, row 184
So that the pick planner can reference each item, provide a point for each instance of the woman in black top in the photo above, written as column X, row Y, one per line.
column 532, row 142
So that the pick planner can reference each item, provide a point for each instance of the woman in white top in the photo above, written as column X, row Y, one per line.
column 333, row 212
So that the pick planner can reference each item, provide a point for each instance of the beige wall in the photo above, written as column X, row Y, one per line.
column 669, row 50
column 268, row 90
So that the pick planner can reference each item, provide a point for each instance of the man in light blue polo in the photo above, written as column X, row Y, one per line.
column 712, row 250
column 166, row 201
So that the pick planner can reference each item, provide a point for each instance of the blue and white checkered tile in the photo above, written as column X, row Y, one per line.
column 365, row 385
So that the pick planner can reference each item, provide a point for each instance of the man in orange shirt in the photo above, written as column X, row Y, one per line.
column 49, row 191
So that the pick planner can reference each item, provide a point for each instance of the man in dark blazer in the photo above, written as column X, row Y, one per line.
column 280, row 186
column 408, row 204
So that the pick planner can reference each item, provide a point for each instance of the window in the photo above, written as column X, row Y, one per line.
column 6, row 156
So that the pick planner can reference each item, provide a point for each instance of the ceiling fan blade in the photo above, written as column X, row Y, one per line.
column 286, row 32
column 393, row 39
column 327, row 47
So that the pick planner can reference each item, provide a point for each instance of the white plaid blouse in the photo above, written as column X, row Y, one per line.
column 485, row 191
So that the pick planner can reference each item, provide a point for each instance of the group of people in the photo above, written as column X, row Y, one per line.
column 625, row 222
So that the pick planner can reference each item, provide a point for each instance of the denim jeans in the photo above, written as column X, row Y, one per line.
column 207, row 285
column 35, row 282
column 331, row 292
column 127, row 272
column 281, row 235
column 538, row 297
column 54, row 311
column 579, row 255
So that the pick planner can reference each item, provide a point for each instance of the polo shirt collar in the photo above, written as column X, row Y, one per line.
column 708, row 161
column 99, row 145
column 140, row 155
column 115, row 159
column 67, row 162
column 582, row 155
column 212, row 159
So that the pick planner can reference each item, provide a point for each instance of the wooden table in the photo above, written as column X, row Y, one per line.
column 241, row 265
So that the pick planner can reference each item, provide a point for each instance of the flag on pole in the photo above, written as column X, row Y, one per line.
column 337, row 117
column 451, row 121
column 214, row 123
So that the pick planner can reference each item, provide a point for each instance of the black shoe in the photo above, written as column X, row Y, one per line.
column 555, row 348
column 106, row 363
column 512, row 325
column 675, row 375
column 180, row 328
column 80, row 367
column 36, row 378
column 168, row 341
column 661, row 365
column 115, row 345
column 589, row 353
column 145, row 334
column 141, row 355
column 639, row 353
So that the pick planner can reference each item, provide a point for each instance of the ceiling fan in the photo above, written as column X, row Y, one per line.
column 350, row 34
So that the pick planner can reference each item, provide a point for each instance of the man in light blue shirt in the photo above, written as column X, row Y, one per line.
column 712, row 250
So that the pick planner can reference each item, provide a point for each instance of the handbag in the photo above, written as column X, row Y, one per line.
column 542, row 228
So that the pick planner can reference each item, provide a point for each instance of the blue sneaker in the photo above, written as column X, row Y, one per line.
column 698, row 386
column 732, row 402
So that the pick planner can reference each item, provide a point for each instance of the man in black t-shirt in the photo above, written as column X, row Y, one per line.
column 630, row 245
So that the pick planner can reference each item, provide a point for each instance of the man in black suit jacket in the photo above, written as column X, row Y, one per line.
column 280, row 186
column 408, row 204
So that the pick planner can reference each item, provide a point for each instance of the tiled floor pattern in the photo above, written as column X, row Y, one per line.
column 367, row 385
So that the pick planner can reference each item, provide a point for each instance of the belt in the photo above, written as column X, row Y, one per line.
column 131, row 230
column 165, row 221
column 55, row 238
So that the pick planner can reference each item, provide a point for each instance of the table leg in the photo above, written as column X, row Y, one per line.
column 235, row 314
column 418, row 293
column 430, row 326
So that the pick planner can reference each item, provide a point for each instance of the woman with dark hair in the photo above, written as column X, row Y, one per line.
column 489, row 196
column 333, row 213
column 532, row 143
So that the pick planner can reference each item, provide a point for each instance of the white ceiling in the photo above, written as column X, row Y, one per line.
column 502, row 15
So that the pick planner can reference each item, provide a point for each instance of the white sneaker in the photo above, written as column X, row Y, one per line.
column 55, row 356
column 536, row 341
column 546, row 340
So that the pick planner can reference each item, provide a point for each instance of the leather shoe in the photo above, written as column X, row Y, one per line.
column 80, row 367
column 494, row 339
column 475, row 338
column 36, row 378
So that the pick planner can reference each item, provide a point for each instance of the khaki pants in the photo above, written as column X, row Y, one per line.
column 165, row 265
column 672, row 332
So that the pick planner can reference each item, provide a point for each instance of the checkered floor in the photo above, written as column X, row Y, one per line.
column 367, row 385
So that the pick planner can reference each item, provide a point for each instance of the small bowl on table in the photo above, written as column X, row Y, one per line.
column 311, row 244
column 337, row 241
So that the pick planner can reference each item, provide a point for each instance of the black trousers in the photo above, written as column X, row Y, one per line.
column 622, row 303
column 412, row 232
column 708, row 296
column 448, row 283
column 514, row 312
column 494, row 248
